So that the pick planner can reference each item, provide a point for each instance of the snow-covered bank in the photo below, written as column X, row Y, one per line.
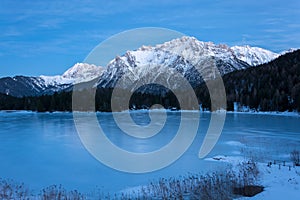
column 281, row 181
column 277, row 113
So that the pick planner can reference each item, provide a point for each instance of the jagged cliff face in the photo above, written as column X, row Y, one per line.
column 188, row 56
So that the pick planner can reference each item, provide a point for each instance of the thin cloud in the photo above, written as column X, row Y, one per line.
column 274, row 30
column 35, row 28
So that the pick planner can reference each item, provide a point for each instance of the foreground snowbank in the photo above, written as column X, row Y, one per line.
column 280, row 181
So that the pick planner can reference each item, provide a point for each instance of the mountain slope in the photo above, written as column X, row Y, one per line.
column 253, row 55
column 19, row 86
column 274, row 86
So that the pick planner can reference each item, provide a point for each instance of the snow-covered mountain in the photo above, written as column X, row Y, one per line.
column 289, row 51
column 253, row 55
column 184, row 56
column 31, row 86
column 80, row 72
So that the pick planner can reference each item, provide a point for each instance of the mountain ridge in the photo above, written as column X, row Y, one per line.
column 273, row 86
column 185, row 55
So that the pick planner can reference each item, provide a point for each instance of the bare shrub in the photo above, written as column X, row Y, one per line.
column 211, row 186
column 10, row 189
column 247, row 180
column 55, row 192
column 248, row 173
column 295, row 157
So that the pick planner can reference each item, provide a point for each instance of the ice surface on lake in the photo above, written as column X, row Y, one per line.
column 41, row 149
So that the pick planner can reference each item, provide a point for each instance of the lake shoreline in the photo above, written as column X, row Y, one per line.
column 275, row 113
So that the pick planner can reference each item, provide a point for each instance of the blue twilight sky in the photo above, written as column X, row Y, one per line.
column 49, row 36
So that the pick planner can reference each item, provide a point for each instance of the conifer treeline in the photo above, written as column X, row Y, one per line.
column 274, row 86
column 63, row 101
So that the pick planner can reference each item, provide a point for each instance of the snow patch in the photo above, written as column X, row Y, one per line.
column 253, row 55
column 80, row 72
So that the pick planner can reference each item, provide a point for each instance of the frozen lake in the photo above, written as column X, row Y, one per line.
column 41, row 149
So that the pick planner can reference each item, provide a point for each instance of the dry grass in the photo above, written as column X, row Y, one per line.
column 218, row 185
column 295, row 157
